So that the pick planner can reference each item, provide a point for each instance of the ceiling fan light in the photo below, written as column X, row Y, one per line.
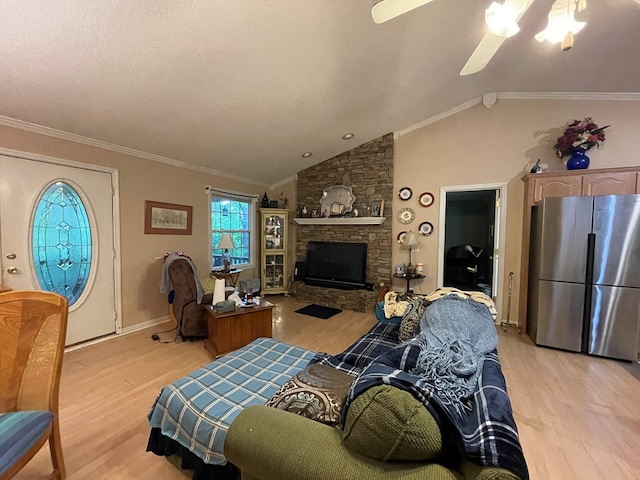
column 501, row 20
column 557, row 31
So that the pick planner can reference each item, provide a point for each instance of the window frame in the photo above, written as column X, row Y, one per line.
column 251, row 200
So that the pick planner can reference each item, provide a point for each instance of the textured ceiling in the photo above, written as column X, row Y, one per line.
column 246, row 86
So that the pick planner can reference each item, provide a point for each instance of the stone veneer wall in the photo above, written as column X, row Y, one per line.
column 368, row 170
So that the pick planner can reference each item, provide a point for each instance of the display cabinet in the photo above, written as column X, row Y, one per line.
column 275, row 224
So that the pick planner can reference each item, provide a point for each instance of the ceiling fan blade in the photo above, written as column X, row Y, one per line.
column 483, row 53
column 388, row 9
column 491, row 42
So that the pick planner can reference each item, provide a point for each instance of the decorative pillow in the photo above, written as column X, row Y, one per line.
column 396, row 303
column 208, row 283
column 317, row 392
column 410, row 324
column 389, row 424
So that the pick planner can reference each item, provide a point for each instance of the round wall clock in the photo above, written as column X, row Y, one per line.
column 405, row 193
column 426, row 199
column 426, row 228
column 406, row 215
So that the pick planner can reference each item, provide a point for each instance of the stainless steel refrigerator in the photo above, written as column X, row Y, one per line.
column 584, row 275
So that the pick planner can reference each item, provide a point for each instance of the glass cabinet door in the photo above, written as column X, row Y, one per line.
column 274, row 271
column 274, row 232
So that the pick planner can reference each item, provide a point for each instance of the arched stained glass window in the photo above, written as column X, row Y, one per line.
column 61, row 242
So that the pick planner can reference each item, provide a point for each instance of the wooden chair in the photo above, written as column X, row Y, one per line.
column 33, row 328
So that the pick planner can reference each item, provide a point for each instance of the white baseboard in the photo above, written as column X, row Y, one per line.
column 141, row 326
column 125, row 331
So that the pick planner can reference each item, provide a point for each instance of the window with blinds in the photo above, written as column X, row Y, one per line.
column 232, row 214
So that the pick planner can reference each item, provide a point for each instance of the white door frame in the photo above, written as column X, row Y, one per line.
column 115, row 206
column 499, row 234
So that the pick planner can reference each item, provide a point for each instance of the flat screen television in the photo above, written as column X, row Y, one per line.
column 336, row 264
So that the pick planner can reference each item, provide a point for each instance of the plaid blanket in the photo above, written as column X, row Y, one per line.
column 378, row 340
column 486, row 432
column 197, row 410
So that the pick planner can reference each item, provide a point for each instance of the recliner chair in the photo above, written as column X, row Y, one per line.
column 189, row 315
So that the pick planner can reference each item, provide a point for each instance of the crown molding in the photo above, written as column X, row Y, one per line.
column 282, row 182
column 593, row 96
column 439, row 116
column 615, row 96
column 72, row 137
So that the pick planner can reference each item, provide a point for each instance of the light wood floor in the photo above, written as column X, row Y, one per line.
column 578, row 416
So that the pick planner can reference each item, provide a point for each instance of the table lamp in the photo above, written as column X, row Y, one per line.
column 226, row 242
column 410, row 243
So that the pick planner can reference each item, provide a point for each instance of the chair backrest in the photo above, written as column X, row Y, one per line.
column 190, row 315
column 33, row 327
column 182, row 279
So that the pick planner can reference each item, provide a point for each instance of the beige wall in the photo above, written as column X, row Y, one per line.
column 478, row 145
column 142, row 180
column 499, row 144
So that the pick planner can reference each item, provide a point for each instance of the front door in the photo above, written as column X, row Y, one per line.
column 56, row 229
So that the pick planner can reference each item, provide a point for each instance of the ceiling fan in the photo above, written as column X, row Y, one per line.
column 489, row 44
column 502, row 20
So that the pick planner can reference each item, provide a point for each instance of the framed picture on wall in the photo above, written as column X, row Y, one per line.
column 167, row 218
column 377, row 208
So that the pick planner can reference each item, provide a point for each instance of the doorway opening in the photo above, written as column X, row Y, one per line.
column 472, row 224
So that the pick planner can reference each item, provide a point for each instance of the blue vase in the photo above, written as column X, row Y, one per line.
column 578, row 160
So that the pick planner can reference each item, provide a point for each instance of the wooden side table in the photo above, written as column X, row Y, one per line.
column 232, row 330
column 231, row 276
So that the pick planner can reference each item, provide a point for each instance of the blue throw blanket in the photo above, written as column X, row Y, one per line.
column 455, row 334
column 483, row 430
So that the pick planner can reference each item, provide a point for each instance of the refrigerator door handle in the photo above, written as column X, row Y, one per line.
column 588, row 292
column 591, row 247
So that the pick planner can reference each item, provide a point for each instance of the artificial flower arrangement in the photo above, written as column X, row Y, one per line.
column 579, row 135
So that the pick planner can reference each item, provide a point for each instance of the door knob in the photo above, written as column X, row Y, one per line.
column 11, row 256
column 12, row 270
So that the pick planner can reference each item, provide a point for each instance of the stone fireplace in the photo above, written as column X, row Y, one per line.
column 368, row 170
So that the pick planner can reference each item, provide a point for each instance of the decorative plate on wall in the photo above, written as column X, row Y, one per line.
column 405, row 193
column 426, row 228
column 426, row 199
column 401, row 237
column 406, row 215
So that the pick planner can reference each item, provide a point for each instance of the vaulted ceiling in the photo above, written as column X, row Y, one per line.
column 245, row 87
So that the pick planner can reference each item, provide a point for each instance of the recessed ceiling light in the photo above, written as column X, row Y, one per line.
column 347, row 136
column 306, row 154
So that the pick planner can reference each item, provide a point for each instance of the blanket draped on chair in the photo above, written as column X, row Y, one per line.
column 165, row 280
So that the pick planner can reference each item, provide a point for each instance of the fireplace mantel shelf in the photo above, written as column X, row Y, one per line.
column 340, row 221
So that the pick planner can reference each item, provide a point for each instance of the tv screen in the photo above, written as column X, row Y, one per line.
column 336, row 264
